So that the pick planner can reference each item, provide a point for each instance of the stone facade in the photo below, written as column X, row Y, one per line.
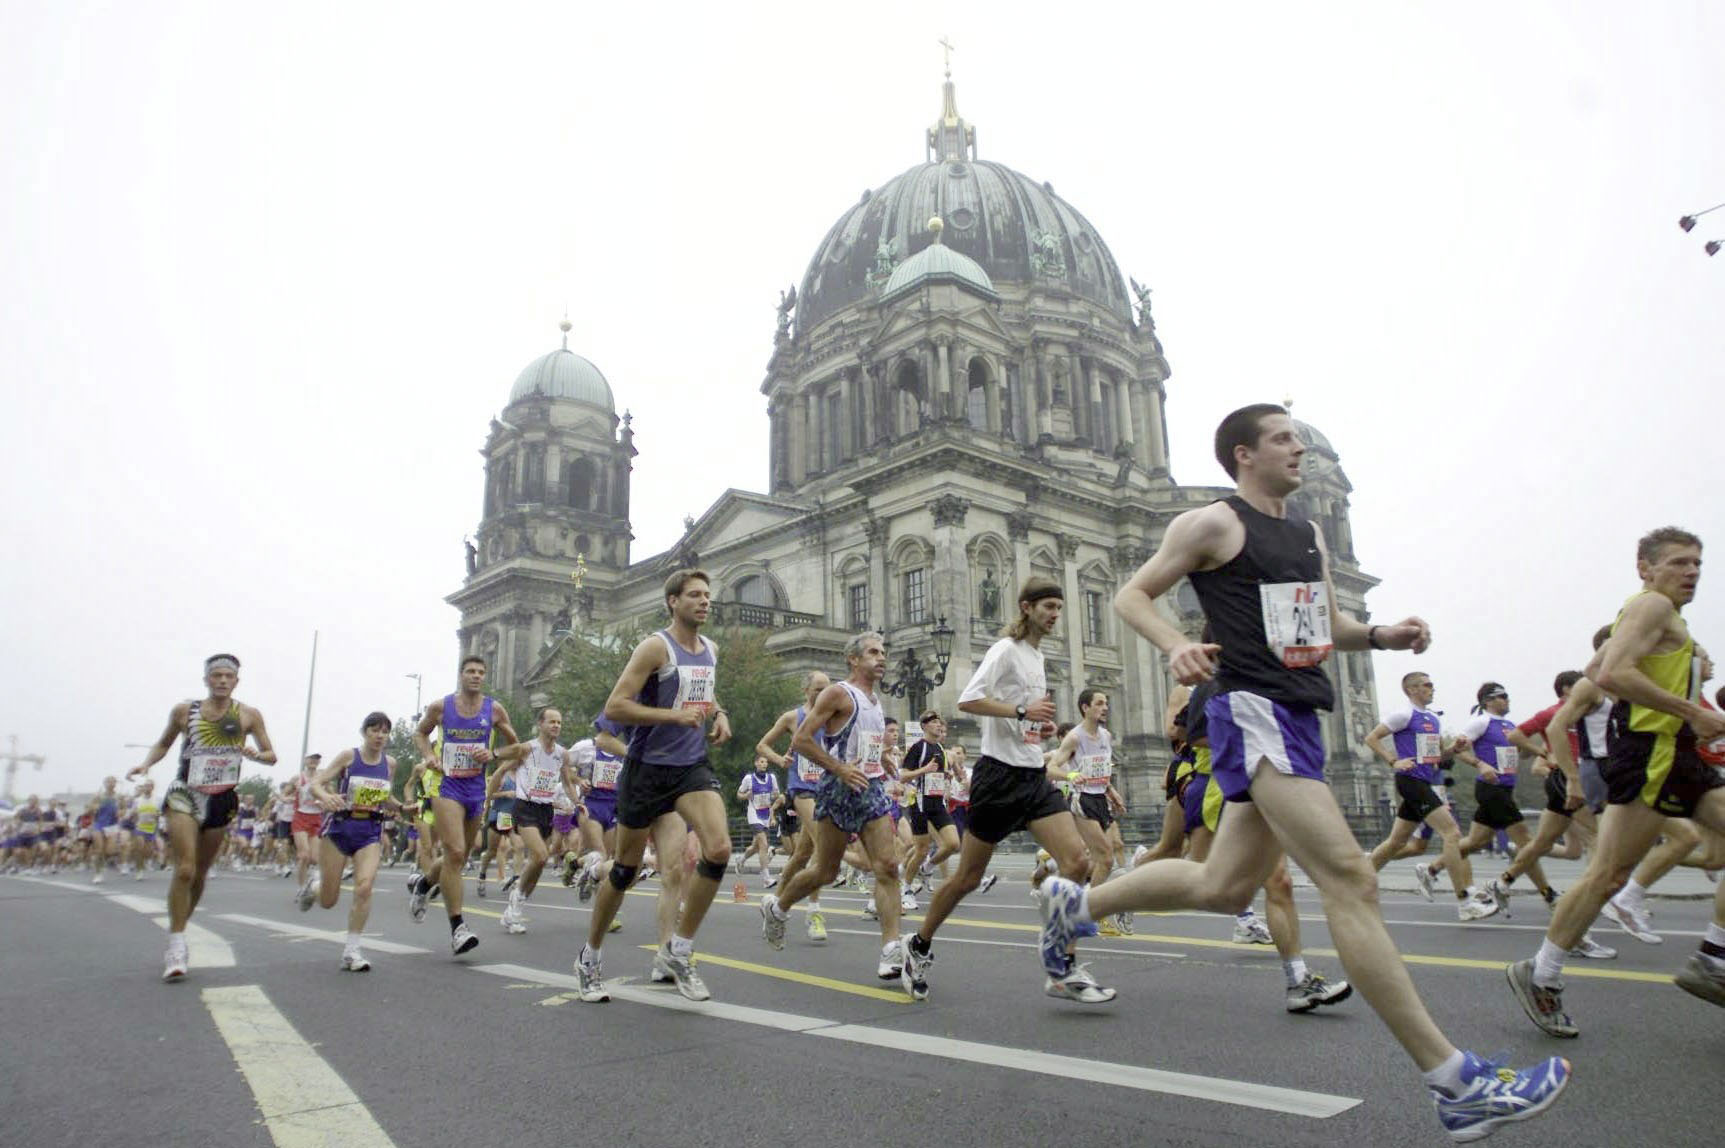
column 944, row 424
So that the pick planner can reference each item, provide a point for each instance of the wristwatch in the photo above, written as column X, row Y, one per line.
column 1020, row 713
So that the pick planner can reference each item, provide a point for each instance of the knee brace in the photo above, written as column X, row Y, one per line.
column 622, row 876
column 711, row 870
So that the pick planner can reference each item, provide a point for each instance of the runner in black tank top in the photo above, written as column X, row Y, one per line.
column 1260, row 572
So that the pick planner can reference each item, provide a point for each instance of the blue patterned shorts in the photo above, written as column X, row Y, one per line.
column 847, row 809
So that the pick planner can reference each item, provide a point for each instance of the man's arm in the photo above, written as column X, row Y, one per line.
column 833, row 702
column 176, row 723
column 1375, row 743
column 764, row 747
column 1177, row 699
column 622, row 706
column 428, row 723
column 501, row 725
column 266, row 753
column 1635, row 636
column 1062, row 754
column 1349, row 633
column 1192, row 542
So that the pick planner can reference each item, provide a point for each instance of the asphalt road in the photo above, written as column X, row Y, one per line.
column 274, row 1044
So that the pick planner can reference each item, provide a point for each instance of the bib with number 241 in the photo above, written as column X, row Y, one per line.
column 1297, row 622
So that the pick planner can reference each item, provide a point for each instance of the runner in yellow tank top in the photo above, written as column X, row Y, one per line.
column 1652, row 771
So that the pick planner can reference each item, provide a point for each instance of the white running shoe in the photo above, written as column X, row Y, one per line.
column 175, row 968
column 307, row 893
column 589, row 975
column 1079, row 986
column 1252, row 931
column 682, row 970
column 1138, row 855
column 1477, row 907
column 1638, row 923
column 462, row 940
column 96, row 880
column 772, row 924
column 1592, row 950
column 817, row 926
column 869, row 911
column 891, row 961
column 908, row 903
column 353, row 961
column 988, row 880
column 1424, row 881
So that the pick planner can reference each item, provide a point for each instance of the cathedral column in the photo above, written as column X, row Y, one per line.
column 869, row 432
column 1080, row 398
column 1075, row 620
column 799, row 438
column 943, row 380
column 1045, row 394
column 848, row 446
column 875, row 531
column 1141, row 437
column 775, row 444
column 1028, row 397
column 555, row 495
column 1018, row 531
column 1098, row 439
column 1123, row 400
column 951, row 592
column 1158, row 427
column 992, row 394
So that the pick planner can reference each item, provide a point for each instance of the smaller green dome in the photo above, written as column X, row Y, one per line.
column 563, row 375
column 937, row 263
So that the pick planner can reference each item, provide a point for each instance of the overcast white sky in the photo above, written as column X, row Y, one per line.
column 267, row 271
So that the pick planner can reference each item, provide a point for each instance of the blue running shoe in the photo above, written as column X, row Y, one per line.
column 1492, row 1095
column 1060, row 900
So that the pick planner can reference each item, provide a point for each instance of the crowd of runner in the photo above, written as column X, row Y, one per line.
column 1629, row 756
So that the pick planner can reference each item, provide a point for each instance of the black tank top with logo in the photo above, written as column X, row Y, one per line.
column 1277, row 574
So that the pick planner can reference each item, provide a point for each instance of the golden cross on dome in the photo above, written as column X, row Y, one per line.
column 579, row 575
column 947, row 50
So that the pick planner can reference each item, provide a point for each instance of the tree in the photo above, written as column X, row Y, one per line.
column 591, row 663
column 258, row 787
column 406, row 754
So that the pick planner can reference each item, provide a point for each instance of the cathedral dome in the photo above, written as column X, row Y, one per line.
column 563, row 375
column 1016, row 231
column 1314, row 438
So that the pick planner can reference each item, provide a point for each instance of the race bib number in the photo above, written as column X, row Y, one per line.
column 505, row 822
column 809, row 771
column 1032, row 732
column 933, row 784
column 366, row 795
column 458, row 759
column 870, row 744
column 1427, row 748
column 695, row 689
column 539, row 783
column 214, row 770
column 1296, row 622
column 762, row 801
column 605, row 771
column 1508, row 758
column 1094, row 770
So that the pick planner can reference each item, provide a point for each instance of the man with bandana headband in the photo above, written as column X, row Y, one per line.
column 202, row 799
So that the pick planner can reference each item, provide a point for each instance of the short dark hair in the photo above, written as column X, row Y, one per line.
column 1089, row 694
column 1035, row 589
column 474, row 658
column 1411, row 675
column 543, row 710
column 928, row 716
column 1603, row 634
column 1566, row 680
column 1655, row 541
column 213, row 658
column 374, row 719
column 1242, row 428
column 1063, row 729
column 681, row 578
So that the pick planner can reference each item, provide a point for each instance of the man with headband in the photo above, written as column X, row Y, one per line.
column 202, row 799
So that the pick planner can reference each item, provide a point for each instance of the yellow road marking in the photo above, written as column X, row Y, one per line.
column 800, row 977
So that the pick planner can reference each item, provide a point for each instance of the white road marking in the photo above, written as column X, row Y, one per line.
column 303, row 1101
column 369, row 940
column 1294, row 1102
column 211, row 950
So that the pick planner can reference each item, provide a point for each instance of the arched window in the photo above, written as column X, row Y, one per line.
column 976, row 400
column 580, row 483
column 753, row 591
column 533, row 474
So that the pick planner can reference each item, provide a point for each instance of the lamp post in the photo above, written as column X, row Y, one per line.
column 912, row 678
column 418, row 693
column 1687, row 223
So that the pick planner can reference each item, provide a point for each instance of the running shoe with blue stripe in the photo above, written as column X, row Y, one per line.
column 1493, row 1095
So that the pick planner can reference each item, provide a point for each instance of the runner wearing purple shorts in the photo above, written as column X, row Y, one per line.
column 353, row 830
column 470, row 720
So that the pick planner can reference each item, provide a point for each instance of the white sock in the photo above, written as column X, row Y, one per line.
column 682, row 946
column 1633, row 895
column 778, row 913
column 353, row 940
column 1294, row 968
column 1715, row 934
column 1446, row 1077
column 1245, row 915
column 1084, row 917
column 1548, row 965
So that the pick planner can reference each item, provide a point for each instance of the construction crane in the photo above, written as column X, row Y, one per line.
column 13, row 760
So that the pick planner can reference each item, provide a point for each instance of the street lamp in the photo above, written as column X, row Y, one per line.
column 418, row 693
column 911, row 675
column 1687, row 223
